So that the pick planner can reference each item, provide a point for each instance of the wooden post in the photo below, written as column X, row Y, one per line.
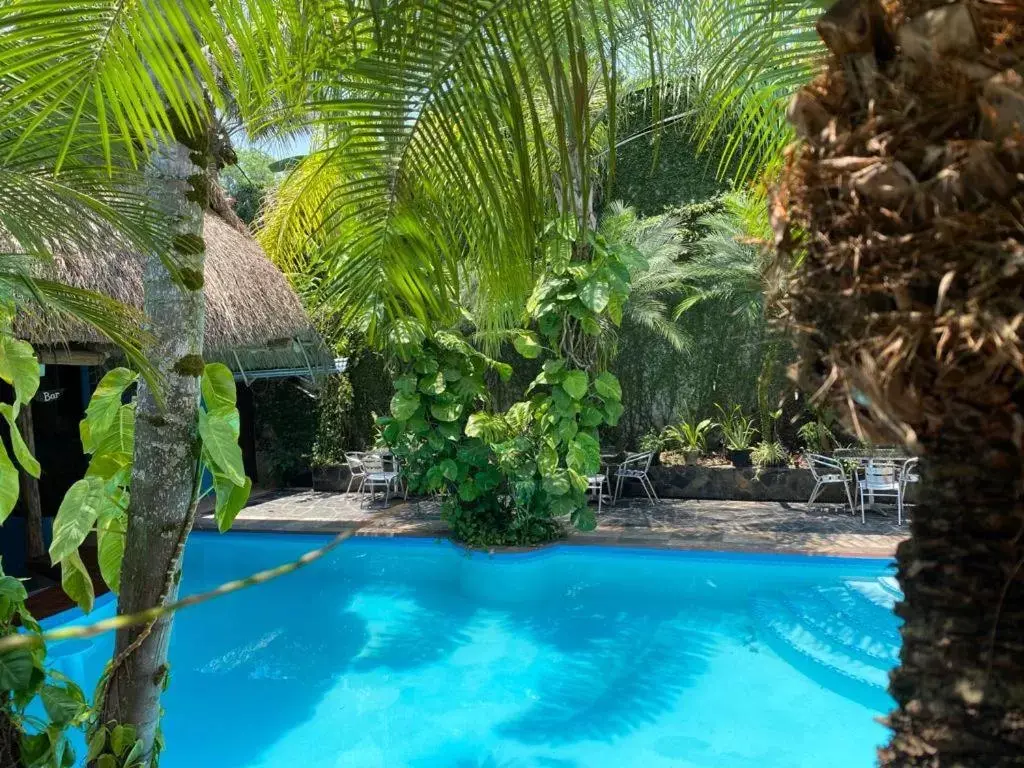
column 29, row 488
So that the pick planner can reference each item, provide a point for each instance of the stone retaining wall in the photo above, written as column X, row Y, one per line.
column 729, row 483
column 688, row 482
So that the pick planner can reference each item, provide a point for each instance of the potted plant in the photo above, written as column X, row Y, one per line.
column 691, row 438
column 652, row 441
column 738, row 433
column 770, row 452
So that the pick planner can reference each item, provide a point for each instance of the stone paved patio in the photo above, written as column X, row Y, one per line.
column 674, row 524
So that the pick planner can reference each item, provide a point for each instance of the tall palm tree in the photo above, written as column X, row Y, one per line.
column 448, row 134
column 429, row 170
column 139, row 83
column 904, row 202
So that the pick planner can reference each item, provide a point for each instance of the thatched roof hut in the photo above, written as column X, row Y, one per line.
column 255, row 323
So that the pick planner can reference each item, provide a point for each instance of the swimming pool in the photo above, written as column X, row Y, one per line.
column 414, row 653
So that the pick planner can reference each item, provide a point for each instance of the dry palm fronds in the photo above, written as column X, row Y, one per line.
column 249, row 304
column 905, row 201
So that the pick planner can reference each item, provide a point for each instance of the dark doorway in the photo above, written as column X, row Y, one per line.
column 56, row 411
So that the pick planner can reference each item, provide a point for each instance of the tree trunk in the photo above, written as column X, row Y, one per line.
column 902, row 206
column 166, row 447
column 10, row 754
column 29, row 491
column 959, row 687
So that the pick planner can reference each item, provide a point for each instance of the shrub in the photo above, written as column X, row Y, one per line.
column 737, row 428
column 690, row 436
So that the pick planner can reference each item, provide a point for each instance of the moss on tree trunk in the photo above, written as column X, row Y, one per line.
column 166, row 452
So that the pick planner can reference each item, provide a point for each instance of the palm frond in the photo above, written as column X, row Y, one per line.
column 469, row 124
column 749, row 59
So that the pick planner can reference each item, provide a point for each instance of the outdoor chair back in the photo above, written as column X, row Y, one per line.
column 827, row 471
column 882, row 478
column 373, row 463
column 635, row 467
column 356, row 472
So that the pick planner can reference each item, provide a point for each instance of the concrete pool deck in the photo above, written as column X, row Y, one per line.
column 749, row 526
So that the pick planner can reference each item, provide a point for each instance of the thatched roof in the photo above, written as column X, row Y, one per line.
column 254, row 320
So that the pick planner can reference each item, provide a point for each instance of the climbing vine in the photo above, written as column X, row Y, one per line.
column 509, row 478
column 31, row 736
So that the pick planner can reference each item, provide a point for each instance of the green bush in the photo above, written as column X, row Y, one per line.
column 286, row 423
column 510, row 478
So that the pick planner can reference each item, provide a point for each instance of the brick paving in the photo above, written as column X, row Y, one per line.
column 674, row 524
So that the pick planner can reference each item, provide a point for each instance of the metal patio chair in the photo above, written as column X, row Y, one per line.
column 356, row 472
column 599, row 484
column 377, row 478
column 828, row 471
column 635, row 467
column 881, row 478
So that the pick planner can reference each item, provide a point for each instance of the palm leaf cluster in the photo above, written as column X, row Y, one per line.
column 447, row 133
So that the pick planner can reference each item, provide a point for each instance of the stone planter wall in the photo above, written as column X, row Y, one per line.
column 332, row 478
column 729, row 483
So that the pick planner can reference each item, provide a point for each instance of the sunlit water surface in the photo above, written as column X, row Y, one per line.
column 413, row 653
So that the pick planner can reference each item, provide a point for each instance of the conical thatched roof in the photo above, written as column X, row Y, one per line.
column 254, row 320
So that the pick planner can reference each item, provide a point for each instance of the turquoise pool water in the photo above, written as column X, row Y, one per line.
column 413, row 653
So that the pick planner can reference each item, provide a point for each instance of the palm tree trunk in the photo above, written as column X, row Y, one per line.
column 163, row 486
column 10, row 754
column 958, row 687
column 903, row 207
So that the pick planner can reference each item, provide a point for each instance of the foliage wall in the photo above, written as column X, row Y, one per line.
column 299, row 426
column 661, row 385
column 658, row 172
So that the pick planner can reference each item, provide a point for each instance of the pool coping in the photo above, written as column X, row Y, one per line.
column 811, row 545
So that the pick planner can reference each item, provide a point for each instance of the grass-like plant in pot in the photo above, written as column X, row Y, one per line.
column 738, row 432
column 691, row 438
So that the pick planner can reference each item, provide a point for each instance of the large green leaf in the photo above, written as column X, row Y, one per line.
column 82, row 505
column 591, row 417
column 595, row 293
column 218, row 387
column 24, row 455
column 527, row 345
column 547, row 459
column 103, row 406
column 406, row 384
column 584, row 455
column 608, row 386
column 575, row 384
column 114, row 451
column 449, row 469
column 432, row 383
column 12, row 589
column 8, row 484
column 110, row 541
column 19, row 367
column 63, row 703
column 16, row 669
column 584, row 519
column 74, row 578
column 231, row 499
column 220, row 442
column 613, row 410
column 557, row 482
column 404, row 406
column 446, row 411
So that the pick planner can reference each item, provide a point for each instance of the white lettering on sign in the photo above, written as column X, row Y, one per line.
column 49, row 397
